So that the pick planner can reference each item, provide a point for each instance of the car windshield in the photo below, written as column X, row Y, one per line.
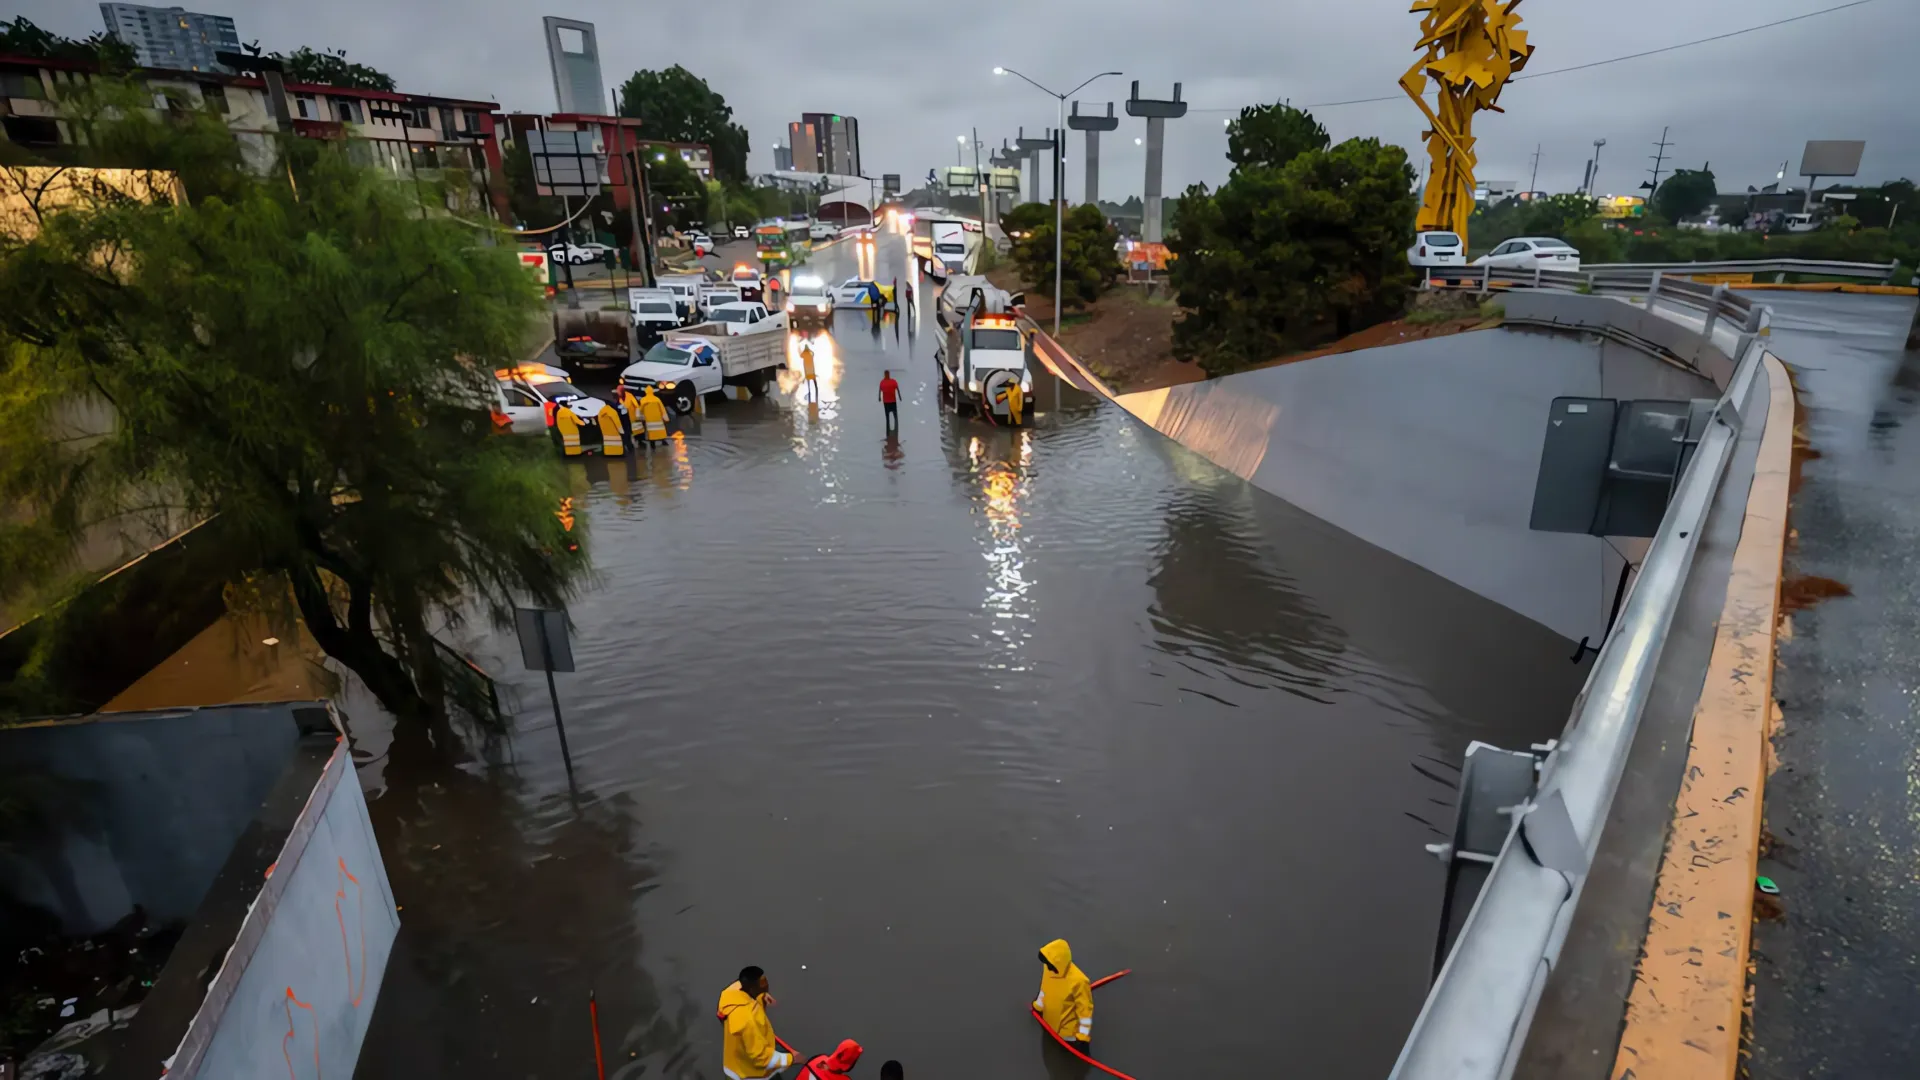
column 950, row 249
column 655, row 309
column 736, row 315
column 559, row 391
column 1001, row 340
column 664, row 353
column 1443, row 239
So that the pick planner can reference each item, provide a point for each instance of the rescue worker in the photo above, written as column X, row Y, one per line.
column 653, row 416
column 1066, row 995
column 567, row 425
column 832, row 1066
column 1016, row 399
column 749, row 1049
column 806, row 368
column 629, row 415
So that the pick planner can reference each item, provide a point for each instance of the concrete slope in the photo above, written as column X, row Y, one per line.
column 1430, row 450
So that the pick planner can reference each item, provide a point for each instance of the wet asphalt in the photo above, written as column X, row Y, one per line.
column 883, row 713
column 1837, row 976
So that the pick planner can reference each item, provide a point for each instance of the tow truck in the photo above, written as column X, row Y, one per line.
column 984, row 351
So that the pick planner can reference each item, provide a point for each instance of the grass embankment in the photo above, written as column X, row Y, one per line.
column 1126, row 337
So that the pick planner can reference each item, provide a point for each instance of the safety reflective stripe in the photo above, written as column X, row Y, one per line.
column 1086, row 1027
column 1041, row 1001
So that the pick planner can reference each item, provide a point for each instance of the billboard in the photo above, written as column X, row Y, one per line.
column 570, row 163
column 1832, row 157
column 890, row 183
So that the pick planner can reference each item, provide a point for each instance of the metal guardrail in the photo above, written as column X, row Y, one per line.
column 1880, row 272
column 1477, row 1014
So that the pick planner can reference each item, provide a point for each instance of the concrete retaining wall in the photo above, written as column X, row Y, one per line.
column 299, row 986
column 147, row 808
column 1430, row 449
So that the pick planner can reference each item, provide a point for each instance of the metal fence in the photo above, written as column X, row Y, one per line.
column 1478, row 1012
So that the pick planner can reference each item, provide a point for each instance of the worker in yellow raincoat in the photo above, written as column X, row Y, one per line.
column 749, row 1050
column 630, row 413
column 1016, row 400
column 653, row 416
column 568, row 425
column 1066, row 995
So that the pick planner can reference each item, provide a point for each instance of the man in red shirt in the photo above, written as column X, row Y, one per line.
column 890, row 399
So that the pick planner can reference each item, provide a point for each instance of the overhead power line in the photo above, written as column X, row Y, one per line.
column 1601, row 63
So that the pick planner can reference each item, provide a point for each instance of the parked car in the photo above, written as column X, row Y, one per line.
column 743, row 232
column 748, row 279
column 745, row 317
column 522, row 393
column 1527, row 252
column 702, row 244
column 821, row 230
column 1437, row 249
column 862, row 293
column 577, row 254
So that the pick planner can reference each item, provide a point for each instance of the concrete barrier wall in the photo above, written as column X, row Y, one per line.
column 1430, row 450
column 298, row 988
column 148, row 808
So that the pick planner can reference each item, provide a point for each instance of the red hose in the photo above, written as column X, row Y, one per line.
column 593, row 1011
column 1069, row 1047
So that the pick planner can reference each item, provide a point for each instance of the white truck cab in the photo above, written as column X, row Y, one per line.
column 655, row 311
column 984, row 351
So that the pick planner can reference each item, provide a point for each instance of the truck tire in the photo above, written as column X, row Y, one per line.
column 683, row 398
column 757, row 383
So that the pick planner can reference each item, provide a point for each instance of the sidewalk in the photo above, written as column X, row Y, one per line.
column 1837, row 974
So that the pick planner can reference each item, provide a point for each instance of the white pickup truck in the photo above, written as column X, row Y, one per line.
column 689, row 364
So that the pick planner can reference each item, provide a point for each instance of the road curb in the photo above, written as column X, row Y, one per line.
column 1690, row 988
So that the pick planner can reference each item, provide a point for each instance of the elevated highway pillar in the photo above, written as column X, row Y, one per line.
column 1093, row 126
column 1033, row 150
column 1156, row 113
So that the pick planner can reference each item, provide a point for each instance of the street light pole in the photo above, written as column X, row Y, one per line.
column 1059, row 201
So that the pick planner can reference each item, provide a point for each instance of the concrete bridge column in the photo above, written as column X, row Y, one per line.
column 1157, row 113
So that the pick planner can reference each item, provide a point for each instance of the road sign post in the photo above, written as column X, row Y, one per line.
column 544, row 647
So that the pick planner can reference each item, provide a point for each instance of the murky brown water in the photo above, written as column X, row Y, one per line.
column 883, row 715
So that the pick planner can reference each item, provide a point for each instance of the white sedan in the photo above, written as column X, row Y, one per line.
column 578, row 254
column 862, row 293
column 1527, row 252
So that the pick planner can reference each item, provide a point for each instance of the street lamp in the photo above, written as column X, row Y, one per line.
column 960, row 144
column 1059, row 196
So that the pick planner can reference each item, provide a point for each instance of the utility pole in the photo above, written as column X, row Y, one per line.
column 1593, row 180
column 1659, row 157
column 1533, row 185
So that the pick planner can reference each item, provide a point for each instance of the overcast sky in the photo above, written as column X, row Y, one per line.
column 915, row 82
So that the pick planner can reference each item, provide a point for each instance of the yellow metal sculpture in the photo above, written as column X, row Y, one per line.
column 1472, row 48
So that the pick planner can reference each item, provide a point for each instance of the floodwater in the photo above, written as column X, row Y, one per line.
column 884, row 714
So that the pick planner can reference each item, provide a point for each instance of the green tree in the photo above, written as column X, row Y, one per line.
column 1089, row 263
column 1687, row 193
column 1272, row 135
column 22, row 38
column 330, row 67
column 1281, row 259
column 679, row 106
column 675, row 189
column 309, row 362
column 1026, row 217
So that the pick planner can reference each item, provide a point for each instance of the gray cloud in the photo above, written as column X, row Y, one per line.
column 916, row 81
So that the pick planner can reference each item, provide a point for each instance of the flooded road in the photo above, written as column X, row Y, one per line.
column 883, row 714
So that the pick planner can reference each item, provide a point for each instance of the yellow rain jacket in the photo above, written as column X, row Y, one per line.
column 749, row 1050
column 1066, row 999
column 653, row 415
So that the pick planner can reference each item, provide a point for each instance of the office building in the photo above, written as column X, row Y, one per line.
column 172, row 39
column 574, row 54
column 825, row 143
column 782, row 157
